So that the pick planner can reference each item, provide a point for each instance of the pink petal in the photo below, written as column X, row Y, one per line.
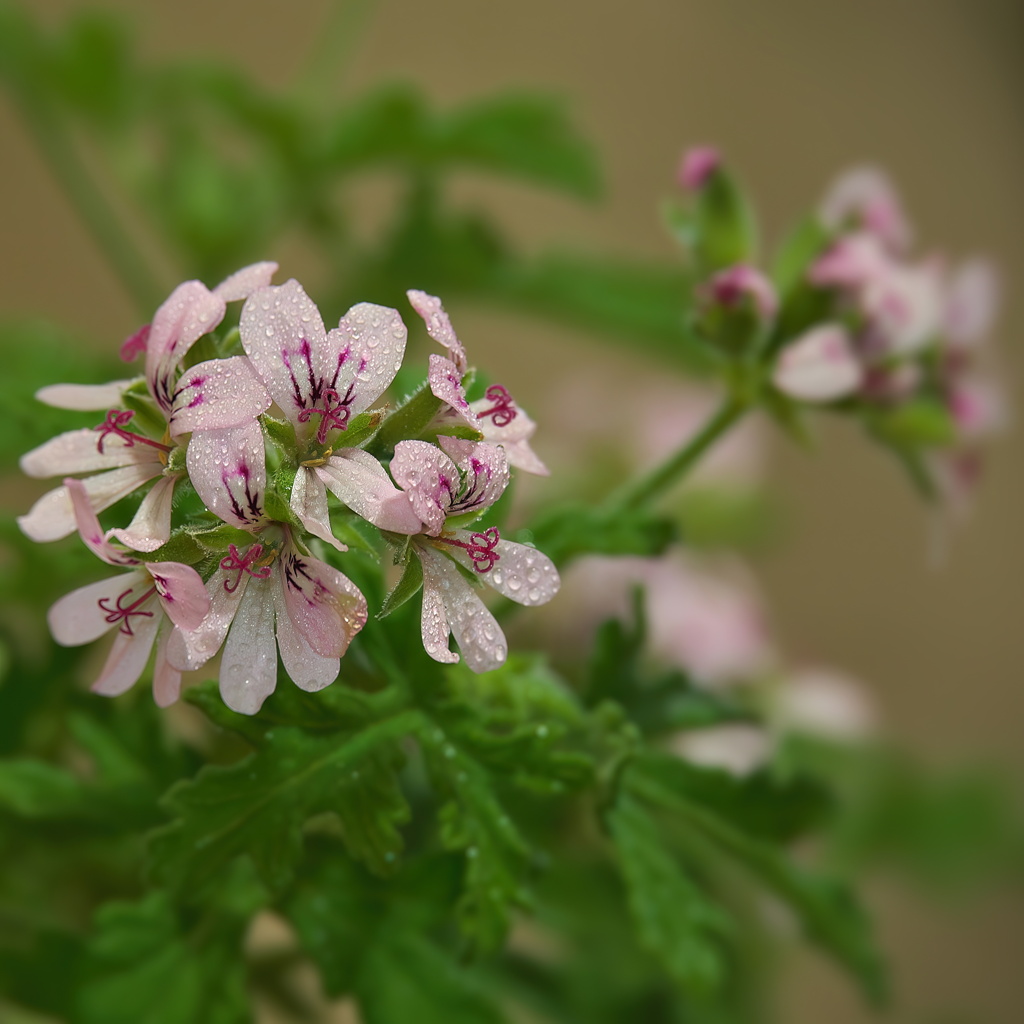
column 309, row 502
column 217, row 395
column 867, row 196
column 514, row 435
column 190, row 649
column 128, row 656
column 166, row 678
column 307, row 669
column 53, row 517
column 485, row 469
column 283, row 334
column 78, row 452
column 439, row 327
column 324, row 605
column 362, row 483
column 445, row 382
column 151, row 526
column 375, row 337
column 248, row 668
column 733, row 285
column 89, row 528
column 450, row 602
column 820, row 366
column 972, row 301
column 905, row 308
column 181, row 592
column 523, row 574
column 430, row 479
column 978, row 406
column 697, row 165
column 242, row 283
column 191, row 311
column 135, row 344
column 228, row 470
column 84, row 397
column 855, row 261
column 77, row 618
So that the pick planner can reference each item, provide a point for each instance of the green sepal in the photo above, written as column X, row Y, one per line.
column 281, row 432
column 220, row 537
column 176, row 460
column 278, row 509
column 464, row 520
column 724, row 226
column 459, row 430
column 409, row 420
column 147, row 416
column 182, row 547
column 920, row 423
column 361, row 429
column 407, row 587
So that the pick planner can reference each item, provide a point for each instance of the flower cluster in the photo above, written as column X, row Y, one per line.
column 262, row 435
column 850, row 318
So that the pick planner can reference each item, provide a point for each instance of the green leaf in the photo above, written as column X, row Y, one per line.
column 523, row 137
column 725, row 232
column 407, row 587
column 258, row 806
column 799, row 249
column 143, row 965
column 183, row 547
column 674, row 918
column 407, row 421
column 569, row 531
column 920, row 423
column 827, row 910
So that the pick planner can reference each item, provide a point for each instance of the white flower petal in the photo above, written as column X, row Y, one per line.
column 129, row 655
column 78, row 618
column 445, row 380
column 374, row 337
column 439, row 327
column 309, row 502
column 248, row 670
column 191, row 649
column 84, row 397
column 307, row 670
column 151, row 526
column 820, row 366
column 78, row 452
column 362, row 483
column 242, row 283
column 228, row 470
column 166, row 678
column 217, row 395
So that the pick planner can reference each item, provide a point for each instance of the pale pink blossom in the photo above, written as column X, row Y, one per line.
column 459, row 483
column 139, row 603
column 821, row 701
column 865, row 198
column 497, row 416
column 738, row 749
column 819, row 366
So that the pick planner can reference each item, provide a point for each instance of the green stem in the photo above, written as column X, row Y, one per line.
column 334, row 48
column 650, row 488
column 56, row 147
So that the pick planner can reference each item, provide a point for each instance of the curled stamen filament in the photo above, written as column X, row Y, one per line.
column 245, row 563
column 124, row 615
column 480, row 548
column 504, row 411
column 114, row 424
column 333, row 415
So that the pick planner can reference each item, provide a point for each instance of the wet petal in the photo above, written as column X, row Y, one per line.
column 166, row 678
column 84, row 397
column 866, row 196
column 128, row 656
column 89, row 528
column 248, row 670
column 439, row 327
column 181, row 592
column 362, row 483
column 820, row 366
column 78, row 618
column 283, row 334
column 309, row 502
column 217, row 395
column 191, row 311
column 228, row 470
column 523, row 574
column 190, row 649
column 972, row 301
column 445, row 382
column 306, row 669
column 430, row 479
column 151, row 526
column 242, row 283
column 513, row 434
column 78, row 452
column 484, row 468
column 475, row 629
column 324, row 605
column 374, row 338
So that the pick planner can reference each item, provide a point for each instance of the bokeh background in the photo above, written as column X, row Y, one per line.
column 792, row 91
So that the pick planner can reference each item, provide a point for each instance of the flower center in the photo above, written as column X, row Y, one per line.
column 504, row 411
column 233, row 562
column 480, row 548
column 114, row 424
column 123, row 614
column 333, row 414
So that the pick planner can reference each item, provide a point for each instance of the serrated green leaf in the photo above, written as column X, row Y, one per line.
column 143, row 965
column 673, row 916
column 257, row 807
column 407, row 587
column 280, row 432
column 183, row 547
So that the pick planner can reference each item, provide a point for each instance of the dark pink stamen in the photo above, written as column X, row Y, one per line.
column 504, row 411
column 243, row 563
column 114, row 424
column 333, row 415
column 119, row 613
column 480, row 548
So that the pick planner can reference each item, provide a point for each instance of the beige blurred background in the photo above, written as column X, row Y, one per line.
column 792, row 90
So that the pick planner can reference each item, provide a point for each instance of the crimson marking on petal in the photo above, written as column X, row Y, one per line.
column 342, row 358
column 504, row 411
column 253, row 510
column 294, row 568
column 480, row 548
column 135, row 345
column 243, row 563
column 124, row 615
column 334, row 414
column 473, row 491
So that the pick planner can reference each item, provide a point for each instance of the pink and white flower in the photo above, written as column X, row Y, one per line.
column 865, row 198
column 497, row 416
column 819, row 366
column 214, row 395
column 461, row 482
column 151, row 596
